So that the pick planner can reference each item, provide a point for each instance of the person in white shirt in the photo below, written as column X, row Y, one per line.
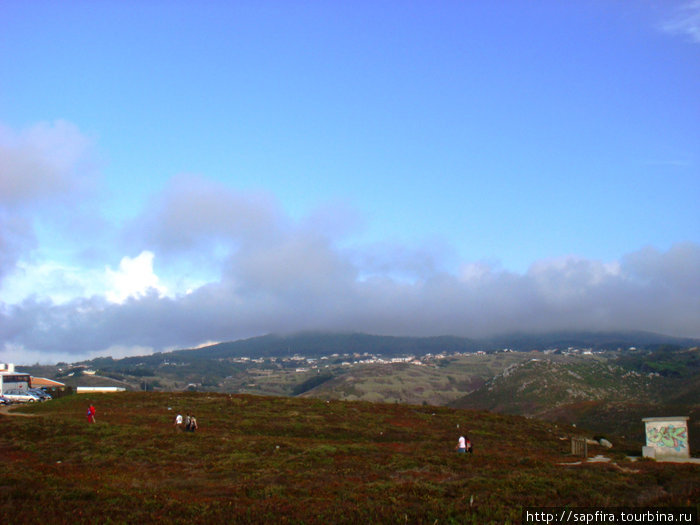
column 461, row 445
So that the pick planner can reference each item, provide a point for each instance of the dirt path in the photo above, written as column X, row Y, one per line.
column 6, row 410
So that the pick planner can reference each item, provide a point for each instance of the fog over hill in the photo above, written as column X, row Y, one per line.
column 313, row 344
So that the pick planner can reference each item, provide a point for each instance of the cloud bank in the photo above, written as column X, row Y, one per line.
column 203, row 262
column 305, row 284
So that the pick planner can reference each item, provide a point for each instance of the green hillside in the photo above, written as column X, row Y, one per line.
column 438, row 383
column 292, row 460
column 541, row 383
column 603, row 394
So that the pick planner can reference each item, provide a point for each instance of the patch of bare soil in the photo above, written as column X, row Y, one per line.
column 6, row 410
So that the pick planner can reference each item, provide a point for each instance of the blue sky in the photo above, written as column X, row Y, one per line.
column 412, row 168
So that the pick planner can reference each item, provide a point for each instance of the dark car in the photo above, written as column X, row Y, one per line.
column 45, row 396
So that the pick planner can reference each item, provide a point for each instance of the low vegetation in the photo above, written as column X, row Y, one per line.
column 293, row 460
column 603, row 394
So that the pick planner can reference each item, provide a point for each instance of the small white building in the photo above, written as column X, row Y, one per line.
column 667, row 438
column 11, row 379
column 99, row 389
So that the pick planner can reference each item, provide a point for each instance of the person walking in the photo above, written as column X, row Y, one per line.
column 91, row 414
column 461, row 445
column 193, row 423
column 178, row 422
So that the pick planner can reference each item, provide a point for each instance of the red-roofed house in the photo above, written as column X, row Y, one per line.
column 54, row 388
column 42, row 382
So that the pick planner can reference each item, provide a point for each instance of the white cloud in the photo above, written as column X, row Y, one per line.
column 13, row 353
column 52, row 280
column 567, row 278
column 135, row 278
column 685, row 21
column 16, row 238
column 475, row 272
column 194, row 213
column 45, row 160
column 45, row 172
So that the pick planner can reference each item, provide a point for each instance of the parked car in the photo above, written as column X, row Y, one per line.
column 20, row 396
column 43, row 396
column 5, row 401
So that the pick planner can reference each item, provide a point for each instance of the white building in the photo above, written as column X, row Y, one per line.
column 11, row 379
column 99, row 389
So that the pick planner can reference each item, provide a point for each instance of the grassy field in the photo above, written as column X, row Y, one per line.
column 293, row 460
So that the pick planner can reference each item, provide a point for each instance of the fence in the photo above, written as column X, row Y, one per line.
column 579, row 446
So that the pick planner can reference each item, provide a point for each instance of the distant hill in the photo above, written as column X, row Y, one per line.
column 542, row 383
column 523, row 342
column 316, row 344
column 437, row 382
column 79, row 379
column 602, row 394
column 220, row 367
